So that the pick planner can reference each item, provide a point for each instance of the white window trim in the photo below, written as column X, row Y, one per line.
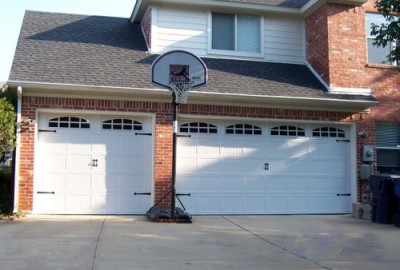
column 210, row 50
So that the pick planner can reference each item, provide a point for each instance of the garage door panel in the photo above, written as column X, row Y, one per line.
column 299, row 204
column 233, row 204
column 80, row 143
column 54, row 163
column 210, row 204
column 277, row 184
column 95, row 171
column 57, row 143
column 233, row 183
column 208, row 165
column 79, row 163
column 78, row 182
column 133, row 182
column 208, row 147
column 298, row 184
column 77, row 203
column 187, row 183
column 255, row 204
column 50, row 203
column 278, row 204
column 211, row 183
column 186, row 165
column 255, row 184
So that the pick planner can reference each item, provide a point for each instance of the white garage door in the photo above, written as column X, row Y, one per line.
column 242, row 168
column 93, row 165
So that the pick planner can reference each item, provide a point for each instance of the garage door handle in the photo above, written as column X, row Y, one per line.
column 266, row 166
column 94, row 163
column 45, row 192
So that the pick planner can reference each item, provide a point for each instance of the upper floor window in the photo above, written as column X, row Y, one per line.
column 236, row 32
column 377, row 55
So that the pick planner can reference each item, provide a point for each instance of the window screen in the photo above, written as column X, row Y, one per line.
column 236, row 32
column 376, row 55
column 388, row 147
column 223, row 31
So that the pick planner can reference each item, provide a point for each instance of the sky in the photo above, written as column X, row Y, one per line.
column 12, row 14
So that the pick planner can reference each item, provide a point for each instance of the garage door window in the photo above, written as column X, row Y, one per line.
column 288, row 131
column 122, row 124
column 69, row 122
column 198, row 127
column 328, row 132
column 245, row 129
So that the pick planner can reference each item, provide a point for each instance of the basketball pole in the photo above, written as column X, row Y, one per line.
column 174, row 137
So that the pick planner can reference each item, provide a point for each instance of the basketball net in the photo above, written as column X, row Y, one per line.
column 181, row 90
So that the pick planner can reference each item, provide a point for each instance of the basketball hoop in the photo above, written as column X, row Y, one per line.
column 181, row 90
column 180, row 72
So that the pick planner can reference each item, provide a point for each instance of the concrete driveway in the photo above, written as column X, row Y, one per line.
column 210, row 242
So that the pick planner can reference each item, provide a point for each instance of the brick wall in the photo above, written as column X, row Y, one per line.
column 146, row 27
column 163, row 136
column 341, row 60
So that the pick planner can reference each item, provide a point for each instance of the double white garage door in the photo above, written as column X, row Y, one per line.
column 92, row 164
column 246, row 168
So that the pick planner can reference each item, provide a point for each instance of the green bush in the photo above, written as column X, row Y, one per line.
column 6, row 191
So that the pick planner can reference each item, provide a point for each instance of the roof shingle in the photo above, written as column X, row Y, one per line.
column 107, row 51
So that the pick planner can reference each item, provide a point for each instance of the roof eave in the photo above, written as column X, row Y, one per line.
column 195, row 97
column 142, row 5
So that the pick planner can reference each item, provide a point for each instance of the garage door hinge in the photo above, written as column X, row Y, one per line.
column 45, row 192
column 187, row 136
column 343, row 194
column 342, row 140
column 47, row 130
column 145, row 134
column 142, row 193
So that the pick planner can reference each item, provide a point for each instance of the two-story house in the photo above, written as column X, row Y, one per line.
column 295, row 92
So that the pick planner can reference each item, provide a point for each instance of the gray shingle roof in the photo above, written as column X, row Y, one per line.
column 106, row 51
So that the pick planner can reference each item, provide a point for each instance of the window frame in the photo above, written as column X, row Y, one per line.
column 235, row 52
column 386, row 148
column 369, row 37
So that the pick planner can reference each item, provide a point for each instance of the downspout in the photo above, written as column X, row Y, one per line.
column 17, row 149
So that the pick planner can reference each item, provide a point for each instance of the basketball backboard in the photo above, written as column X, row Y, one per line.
column 178, row 66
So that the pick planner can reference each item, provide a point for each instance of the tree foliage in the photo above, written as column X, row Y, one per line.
column 388, row 32
column 7, row 127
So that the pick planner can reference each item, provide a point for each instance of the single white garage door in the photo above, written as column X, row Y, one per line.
column 92, row 164
column 253, row 168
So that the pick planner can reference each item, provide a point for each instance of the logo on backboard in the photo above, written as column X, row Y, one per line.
column 178, row 73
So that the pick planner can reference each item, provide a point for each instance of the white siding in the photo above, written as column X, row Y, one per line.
column 181, row 29
column 284, row 40
column 187, row 30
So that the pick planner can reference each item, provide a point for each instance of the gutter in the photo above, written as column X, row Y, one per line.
column 195, row 97
column 312, row 5
column 17, row 149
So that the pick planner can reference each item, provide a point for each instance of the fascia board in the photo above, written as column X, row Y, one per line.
column 195, row 97
column 311, row 6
